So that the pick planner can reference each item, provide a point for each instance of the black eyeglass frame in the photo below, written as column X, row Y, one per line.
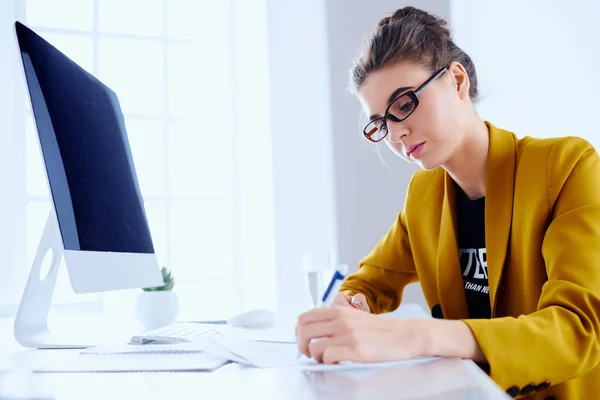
column 413, row 95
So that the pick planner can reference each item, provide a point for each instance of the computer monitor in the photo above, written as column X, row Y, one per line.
column 98, row 221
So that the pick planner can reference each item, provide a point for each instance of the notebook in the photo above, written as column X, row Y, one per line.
column 132, row 359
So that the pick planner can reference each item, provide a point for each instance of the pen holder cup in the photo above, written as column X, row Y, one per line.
column 316, row 282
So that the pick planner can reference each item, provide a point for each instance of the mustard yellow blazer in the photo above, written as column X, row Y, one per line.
column 542, row 231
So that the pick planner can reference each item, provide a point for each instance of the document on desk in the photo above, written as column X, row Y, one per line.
column 274, row 335
column 123, row 359
column 270, row 355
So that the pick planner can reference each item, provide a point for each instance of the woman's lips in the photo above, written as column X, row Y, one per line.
column 414, row 151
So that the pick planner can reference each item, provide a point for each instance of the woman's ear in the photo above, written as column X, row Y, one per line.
column 460, row 79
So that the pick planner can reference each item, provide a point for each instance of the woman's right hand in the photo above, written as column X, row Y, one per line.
column 358, row 301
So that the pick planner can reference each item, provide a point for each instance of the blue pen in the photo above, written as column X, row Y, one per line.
column 332, row 290
column 334, row 286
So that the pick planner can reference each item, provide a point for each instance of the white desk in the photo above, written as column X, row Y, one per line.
column 443, row 379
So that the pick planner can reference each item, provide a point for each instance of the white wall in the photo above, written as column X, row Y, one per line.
column 537, row 63
column 302, row 143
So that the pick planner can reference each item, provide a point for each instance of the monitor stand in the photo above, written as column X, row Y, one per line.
column 31, row 322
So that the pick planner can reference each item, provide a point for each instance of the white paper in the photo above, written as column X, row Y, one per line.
column 217, row 350
column 356, row 369
column 259, row 354
column 271, row 355
column 274, row 335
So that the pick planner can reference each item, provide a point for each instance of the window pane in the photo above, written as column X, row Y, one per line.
column 156, row 212
column 65, row 14
column 137, row 17
column 200, row 159
column 35, row 174
column 134, row 70
column 147, row 147
column 78, row 48
column 202, row 239
column 199, row 81
column 212, row 300
column 204, row 20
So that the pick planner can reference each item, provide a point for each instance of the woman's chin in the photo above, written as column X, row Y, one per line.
column 426, row 163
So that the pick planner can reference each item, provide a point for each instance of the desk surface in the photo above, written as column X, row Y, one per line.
column 444, row 379
column 440, row 379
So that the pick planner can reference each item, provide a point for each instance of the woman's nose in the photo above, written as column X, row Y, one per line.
column 397, row 131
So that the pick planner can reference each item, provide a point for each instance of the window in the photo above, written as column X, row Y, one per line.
column 179, row 72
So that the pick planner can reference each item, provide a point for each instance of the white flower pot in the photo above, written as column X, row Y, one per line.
column 156, row 309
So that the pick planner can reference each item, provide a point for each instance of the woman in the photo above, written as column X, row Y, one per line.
column 502, row 233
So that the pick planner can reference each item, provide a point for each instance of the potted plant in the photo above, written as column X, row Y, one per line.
column 158, row 306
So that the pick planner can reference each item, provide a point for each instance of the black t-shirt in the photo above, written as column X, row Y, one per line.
column 470, row 218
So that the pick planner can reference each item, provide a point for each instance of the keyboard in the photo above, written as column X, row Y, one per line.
column 179, row 332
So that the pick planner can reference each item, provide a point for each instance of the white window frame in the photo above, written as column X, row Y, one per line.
column 254, row 257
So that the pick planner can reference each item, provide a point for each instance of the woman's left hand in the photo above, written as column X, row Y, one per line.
column 348, row 334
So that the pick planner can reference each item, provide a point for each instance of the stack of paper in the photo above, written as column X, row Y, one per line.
column 275, row 335
column 270, row 354
column 277, row 348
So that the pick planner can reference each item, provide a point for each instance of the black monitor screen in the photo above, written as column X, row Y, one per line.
column 86, row 152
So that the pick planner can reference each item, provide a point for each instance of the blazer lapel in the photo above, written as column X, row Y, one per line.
column 449, row 276
column 500, row 179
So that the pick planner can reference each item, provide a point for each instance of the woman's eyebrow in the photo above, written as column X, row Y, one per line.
column 393, row 96
column 397, row 92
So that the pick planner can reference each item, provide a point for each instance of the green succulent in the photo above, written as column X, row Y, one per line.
column 168, row 280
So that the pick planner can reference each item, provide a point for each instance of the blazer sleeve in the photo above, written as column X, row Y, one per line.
column 386, row 270
column 561, row 340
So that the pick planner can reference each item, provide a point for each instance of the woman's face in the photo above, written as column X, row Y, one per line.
column 433, row 132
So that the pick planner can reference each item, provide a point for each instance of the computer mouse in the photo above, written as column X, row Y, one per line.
column 258, row 318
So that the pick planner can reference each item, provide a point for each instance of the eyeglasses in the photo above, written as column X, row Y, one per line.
column 399, row 109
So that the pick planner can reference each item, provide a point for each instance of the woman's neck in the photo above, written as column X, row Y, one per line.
column 467, row 166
